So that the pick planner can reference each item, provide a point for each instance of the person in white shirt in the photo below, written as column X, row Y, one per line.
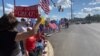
column 22, row 27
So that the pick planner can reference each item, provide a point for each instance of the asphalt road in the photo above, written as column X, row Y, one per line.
column 78, row 40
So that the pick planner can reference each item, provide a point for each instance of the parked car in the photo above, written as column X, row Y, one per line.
column 83, row 22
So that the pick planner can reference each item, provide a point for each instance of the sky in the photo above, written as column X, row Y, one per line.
column 81, row 8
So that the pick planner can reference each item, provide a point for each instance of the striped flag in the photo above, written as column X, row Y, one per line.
column 45, row 6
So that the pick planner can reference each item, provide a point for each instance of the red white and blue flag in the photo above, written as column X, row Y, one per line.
column 45, row 5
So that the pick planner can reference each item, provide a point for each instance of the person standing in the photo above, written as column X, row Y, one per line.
column 22, row 27
column 66, row 23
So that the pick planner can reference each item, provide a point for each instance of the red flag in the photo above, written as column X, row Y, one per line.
column 45, row 5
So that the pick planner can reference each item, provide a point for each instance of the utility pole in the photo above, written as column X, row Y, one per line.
column 71, row 10
column 14, row 3
column 3, row 7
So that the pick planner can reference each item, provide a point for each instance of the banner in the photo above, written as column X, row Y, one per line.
column 27, row 12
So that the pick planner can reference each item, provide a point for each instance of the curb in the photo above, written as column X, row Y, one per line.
column 49, row 49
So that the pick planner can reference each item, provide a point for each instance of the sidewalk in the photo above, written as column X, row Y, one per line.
column 49, row 50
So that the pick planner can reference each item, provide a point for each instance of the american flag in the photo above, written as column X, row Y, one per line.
column 45, row 6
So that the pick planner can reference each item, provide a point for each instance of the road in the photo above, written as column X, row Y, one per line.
column 78, row 40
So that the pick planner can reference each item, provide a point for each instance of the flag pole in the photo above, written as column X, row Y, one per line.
column 3, row 6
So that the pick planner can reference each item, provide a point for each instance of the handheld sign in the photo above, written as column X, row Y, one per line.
column 27, row 12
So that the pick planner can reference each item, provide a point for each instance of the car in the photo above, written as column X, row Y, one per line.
column 77, row 22
column 88, row 22
column 83, row 22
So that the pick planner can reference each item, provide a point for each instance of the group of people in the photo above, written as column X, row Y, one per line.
column 24, row 38
column 15, row 37
column 35, row 44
